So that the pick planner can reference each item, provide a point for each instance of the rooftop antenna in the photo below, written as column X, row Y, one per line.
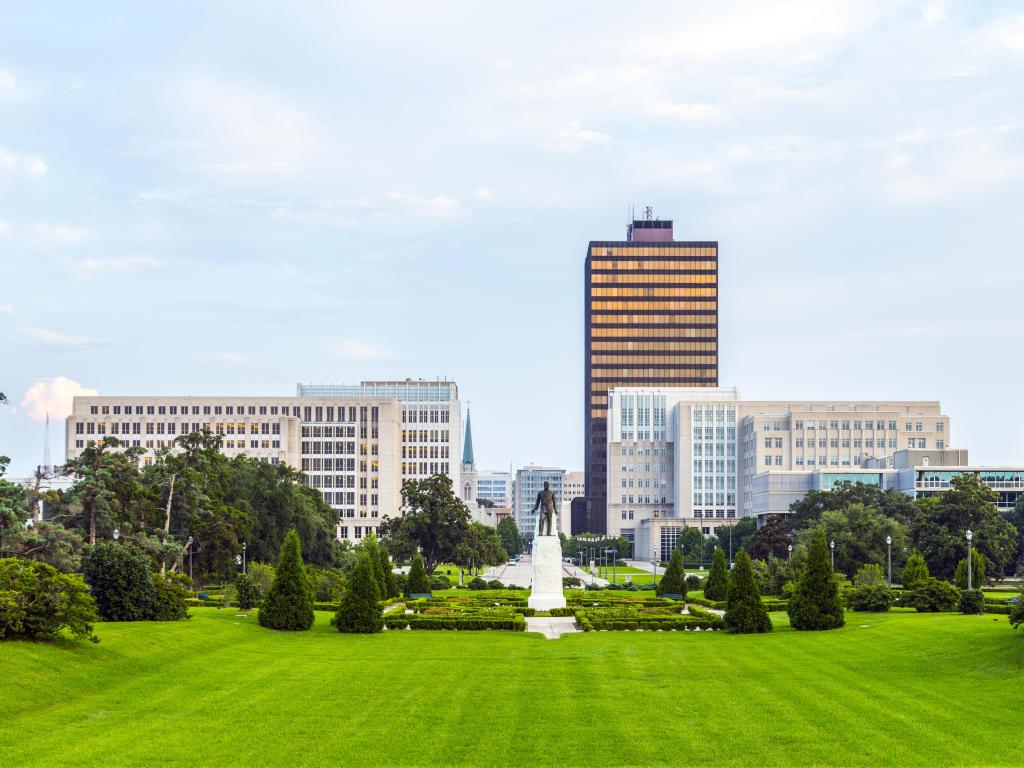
column 648, row 213
column 47, row 466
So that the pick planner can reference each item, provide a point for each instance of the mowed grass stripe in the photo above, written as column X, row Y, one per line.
column 912, row 689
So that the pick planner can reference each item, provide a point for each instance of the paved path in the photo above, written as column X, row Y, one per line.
column 552, row 627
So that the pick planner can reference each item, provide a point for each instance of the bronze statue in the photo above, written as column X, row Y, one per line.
column 547, row 518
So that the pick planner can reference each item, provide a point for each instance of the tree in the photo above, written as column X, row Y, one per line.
column 417, row 583
column 106, row 485
column 815, row 603
column 37, row 602
column 673, row 582
column 933, row 595
column 717, row 585
column 871, row 592
column 508, row 534
column 744, row 611
column 289, row 603
column 248, row 593
column 742, row 532
column 435, row 520
column 1017, row 612
column 389, row 587
column 691, row 544
column 486, row 503
column 977, row 571
column 371, row 548
column 770, row 539
column 481, row 546
column 359, row 610
column 915, row 572
column 807, row 512
column 860, row 533
column 939, row 527
column 120, row 580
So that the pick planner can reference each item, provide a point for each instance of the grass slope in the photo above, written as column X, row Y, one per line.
column 902, row 688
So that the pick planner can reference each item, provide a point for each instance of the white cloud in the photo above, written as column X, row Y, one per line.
column 4, row 228
column 951, row 174
column 483, row 194
column 574, row 137
column 7, row 309
column 1005, row 34
column 430, row 206
column 235, row 129
column 60, row 234
column 50, row 339
column 935, row 12
column 53, row 397
column 21, row 164
column 685, row 112
column 233, row 358
column 358, row 350
column 86, row 269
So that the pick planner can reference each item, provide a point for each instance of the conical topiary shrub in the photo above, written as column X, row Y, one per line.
column 359, row 610
column 417, row 583
column 371, row 546
column 289, row 603
column 915, row 572
column 815, row 603
column 674, row 580
column 717, row 585
column 389, row 587
column 744, row 611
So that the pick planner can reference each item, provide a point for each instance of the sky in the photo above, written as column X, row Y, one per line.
column 230, row 198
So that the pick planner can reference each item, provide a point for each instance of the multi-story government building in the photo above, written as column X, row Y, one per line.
column 651, row 319
column 357, row 444
column 698, row 457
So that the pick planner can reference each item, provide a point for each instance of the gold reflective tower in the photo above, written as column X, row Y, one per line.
column 651, row 319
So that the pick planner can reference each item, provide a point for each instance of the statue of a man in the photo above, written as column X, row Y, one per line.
column 546, row 501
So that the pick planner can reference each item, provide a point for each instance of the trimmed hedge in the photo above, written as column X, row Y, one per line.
column 515, row 622
column 570, row 611
column 590, row 623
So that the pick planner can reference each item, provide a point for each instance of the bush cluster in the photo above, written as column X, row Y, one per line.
column 694, row 582
column 170, row 596
column 120, row 580
column 971, row 601
column 876, row 598
column 1017, row 612
column 514, row 622
column 37, row 601
column 932, row 596
column 248, row 592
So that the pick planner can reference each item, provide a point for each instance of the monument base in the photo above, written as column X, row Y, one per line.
column 546, row 584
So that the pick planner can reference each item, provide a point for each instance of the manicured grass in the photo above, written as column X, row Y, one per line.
column 889, row 689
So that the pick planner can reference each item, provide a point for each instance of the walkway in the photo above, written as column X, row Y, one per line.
column 552, row 627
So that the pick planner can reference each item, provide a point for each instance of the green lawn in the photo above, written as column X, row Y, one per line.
column 900, row 688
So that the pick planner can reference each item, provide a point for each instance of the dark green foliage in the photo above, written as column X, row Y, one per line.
column 359, row 610
column 673, row 582
column 694, row 582
column 170, row 596
column 1017, row 611
column 869, row 576
column 417, row 583
column 744, row 611
column 371, row 547
column 859, row 533
column 717, row 585
column 434, row 522
column 248, row 592
column 289, row 603
column 876, row 597
column 939, row 527
column 971, row 601
column 37, row 601
column 915, row 572
column 120, row 580
column 495, row 584
column 815, row 603
column 743, row 533
column 327, row 584
column 508, row 534
column 808, row 511
column 477, row 583
column 770, row 539
column 977, row 571
column 932, row 596
column 389, row 586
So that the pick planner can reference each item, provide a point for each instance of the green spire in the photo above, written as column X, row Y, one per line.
column 467, row 445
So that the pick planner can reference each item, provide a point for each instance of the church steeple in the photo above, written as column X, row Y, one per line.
column 467, row 446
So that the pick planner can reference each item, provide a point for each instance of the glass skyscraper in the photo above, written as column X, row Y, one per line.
column 651, row 319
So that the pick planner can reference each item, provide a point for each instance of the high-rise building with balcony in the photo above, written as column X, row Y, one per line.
column 651, row 320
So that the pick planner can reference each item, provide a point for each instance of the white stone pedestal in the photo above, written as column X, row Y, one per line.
column 547, row 574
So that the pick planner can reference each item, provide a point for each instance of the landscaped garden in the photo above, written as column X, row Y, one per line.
column 892, row 688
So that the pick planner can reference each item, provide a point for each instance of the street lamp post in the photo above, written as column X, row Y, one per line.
column 244, row 545
column 117, row 534
column 790, row 548
column 888, row 544
column 832, row 546
column 730, row 546
column 969, row 537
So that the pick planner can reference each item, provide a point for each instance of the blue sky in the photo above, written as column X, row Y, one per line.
column 230, row 198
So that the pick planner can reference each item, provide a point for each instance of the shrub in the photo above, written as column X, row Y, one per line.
column 869, row 575
column 477, row 583
column 717, row 585
column 360, row 610
column 876, row 598
column 571, row 581
column 170, row 595
column 327, row 584
column 37, row 601
column 438, row 581
column 417, row 583
column 289, row 603
column 263, row 575
column 1017, row 612
column 371, row 547
column 693, row 583
column 915, row 572
column 932, row 596
column 674, row 580
column 977, row 571
column 118, row 576
column 971, row 601
column 495, row 584
column 815, row 603
column 389, row 587
column 248, row 593
column 744, row 611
